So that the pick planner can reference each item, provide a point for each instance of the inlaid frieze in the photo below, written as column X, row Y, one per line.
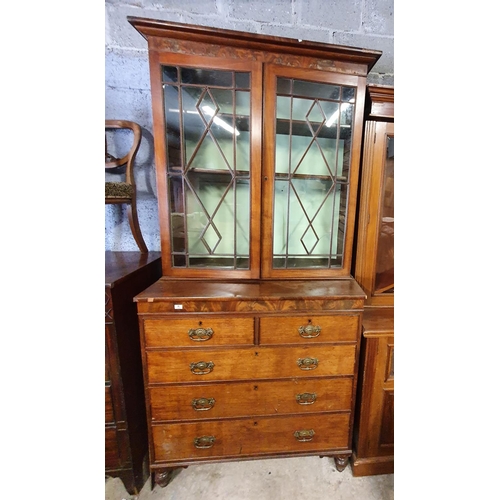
column 223, row 51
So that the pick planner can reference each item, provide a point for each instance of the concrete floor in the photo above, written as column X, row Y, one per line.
column 313, row 478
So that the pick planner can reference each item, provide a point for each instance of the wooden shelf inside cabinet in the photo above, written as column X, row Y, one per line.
column 305, row 129
column 194, row 124
column 319, row 178
column 210, row 171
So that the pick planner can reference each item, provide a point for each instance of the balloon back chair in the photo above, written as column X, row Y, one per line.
column 124, row 192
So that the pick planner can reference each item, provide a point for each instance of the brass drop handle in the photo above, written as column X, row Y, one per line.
column 200, row 334
column 309, row 331
column 304, row 435
column 306, row 398
column 307, row 363
column 203, row 404
column 203, row 442
column 202, row 367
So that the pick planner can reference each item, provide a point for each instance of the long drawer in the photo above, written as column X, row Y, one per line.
column 309, row 329
column 193, row 441
column 201, row 331
column 249, row 364
column 219, row 400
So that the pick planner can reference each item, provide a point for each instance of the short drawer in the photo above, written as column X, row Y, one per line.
column 193, row 441
column 257, row 363
column 198, row 331
column 111, row 453
column 109, row 414
column 308, row 329
column 205, row 401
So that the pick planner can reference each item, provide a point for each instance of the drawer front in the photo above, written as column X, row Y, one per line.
column 112, row 453
column 249, row 364
column 308, row 329
column 199, row 331
column 109, row 414
column 202, row 401
column 193, row 441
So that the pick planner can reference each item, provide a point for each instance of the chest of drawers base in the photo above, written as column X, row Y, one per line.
column 249, row 370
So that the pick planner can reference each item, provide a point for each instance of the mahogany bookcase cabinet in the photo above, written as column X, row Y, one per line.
column 126, row 450
column 250, row 340
column 374, row 271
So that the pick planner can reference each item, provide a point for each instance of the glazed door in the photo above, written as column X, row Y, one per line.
column 312, row 136
column 375, row 252
column 384, row 265
column 208, row 158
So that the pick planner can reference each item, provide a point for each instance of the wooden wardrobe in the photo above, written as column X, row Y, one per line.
column 374, row 270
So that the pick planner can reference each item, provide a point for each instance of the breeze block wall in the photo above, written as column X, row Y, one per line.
column 358, row 23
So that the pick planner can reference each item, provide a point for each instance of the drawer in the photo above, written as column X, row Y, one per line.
column 111, row 454
column 200, row 331
column 109, row 415
column 309, row 329
column 204, row 401
column 191, row 441
column 249, row 364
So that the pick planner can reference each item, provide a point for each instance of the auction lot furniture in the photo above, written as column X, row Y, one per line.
column 250, row 339
column 374, row 271
column 126, row 444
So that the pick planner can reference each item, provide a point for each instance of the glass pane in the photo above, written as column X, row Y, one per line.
column 348, row 94
column 312, row 161
column 316, row 90
column 242, row 80
column 384, row 279
column 169, row 74
column 172, row 118
column 178, row 228
column 206, row 77
column 283, row 107
column 209, row 168
column 284, row 86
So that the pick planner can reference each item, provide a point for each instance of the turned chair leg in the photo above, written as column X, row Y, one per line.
column 135, row 228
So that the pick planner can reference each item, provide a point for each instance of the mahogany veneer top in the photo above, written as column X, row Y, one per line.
column 166, row 289
column 118, row 265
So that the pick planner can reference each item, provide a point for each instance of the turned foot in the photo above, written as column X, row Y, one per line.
column 341, row 461
column 163, row 477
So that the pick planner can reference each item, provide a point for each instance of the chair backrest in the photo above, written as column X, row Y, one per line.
column 112, row 162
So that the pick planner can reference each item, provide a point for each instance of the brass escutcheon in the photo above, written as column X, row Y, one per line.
column 200, row 334
column 202, row 367
column 309, row 331
column 204, row 442
column 306, row 398
column 304, row 435
column 307, row 363
column 203, row 404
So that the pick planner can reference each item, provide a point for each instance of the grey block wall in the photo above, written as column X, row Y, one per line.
column 359, row 23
